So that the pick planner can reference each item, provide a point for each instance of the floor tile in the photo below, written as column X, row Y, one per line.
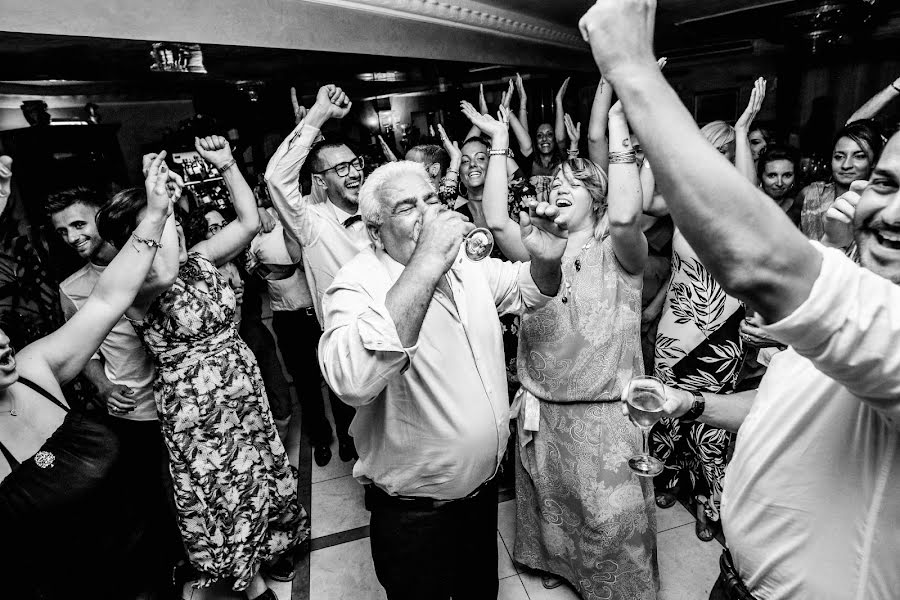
column 537, row 591
column 334, row 469
column 337, row 505
column 344, row 572
column 505, row 567
column 688, row 568
column 512, row 588
column 674, row 516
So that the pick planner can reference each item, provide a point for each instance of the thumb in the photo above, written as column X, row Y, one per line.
column 525, row 223
column 859, row 186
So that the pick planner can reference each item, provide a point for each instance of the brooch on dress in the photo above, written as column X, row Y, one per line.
column 44, row 459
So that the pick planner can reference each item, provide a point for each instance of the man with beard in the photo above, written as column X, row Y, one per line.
column 329, row 233
column 810, row 505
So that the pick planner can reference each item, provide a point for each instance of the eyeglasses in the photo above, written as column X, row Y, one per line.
column 343, row 169
column 214, row 228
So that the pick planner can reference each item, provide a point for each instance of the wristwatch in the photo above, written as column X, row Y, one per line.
column 696, row 409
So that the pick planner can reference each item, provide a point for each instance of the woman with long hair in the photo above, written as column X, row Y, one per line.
column 235, row 493
column 581, row 514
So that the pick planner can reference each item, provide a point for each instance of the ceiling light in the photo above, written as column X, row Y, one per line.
column 174, row 57
column 382, row 76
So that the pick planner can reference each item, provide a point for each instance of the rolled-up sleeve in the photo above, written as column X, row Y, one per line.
column 360, row 351
column 849, row 327
column 282, row 179
column 513, row 286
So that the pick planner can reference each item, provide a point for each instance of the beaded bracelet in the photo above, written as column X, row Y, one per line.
column 617, row 158
column 452, row 171
column 151, row 243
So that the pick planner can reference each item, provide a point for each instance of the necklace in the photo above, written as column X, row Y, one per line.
column 12, row 404
column 584, row 248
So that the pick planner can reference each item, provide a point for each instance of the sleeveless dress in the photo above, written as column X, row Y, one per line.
column 235, row 492
column 581, row 513
column 698, row 348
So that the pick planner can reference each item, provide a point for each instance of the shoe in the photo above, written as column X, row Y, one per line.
column 551, row 582
column 706, row 532
column 322, row 454
column 665, row 499
column 347, row 450
column 283, row 569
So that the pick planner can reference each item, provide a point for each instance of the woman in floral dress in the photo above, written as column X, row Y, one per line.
column 582, row 515
column 235, row 492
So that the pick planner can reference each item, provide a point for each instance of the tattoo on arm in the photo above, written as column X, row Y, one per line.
column 626, row 142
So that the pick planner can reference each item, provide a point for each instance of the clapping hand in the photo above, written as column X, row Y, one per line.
column 562, row 92
column 158, row 200
column 452, row 148
column 174, row 182
column 482, row 103
column 756, row 99
column 544, row 234
column 506, row 98
column 214, row 149
column 489, row 125
column 520, row 87
column 5, row 176
column 839, row 218
column 573, row 131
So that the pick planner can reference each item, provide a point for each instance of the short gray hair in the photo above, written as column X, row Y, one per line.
column 379, row 186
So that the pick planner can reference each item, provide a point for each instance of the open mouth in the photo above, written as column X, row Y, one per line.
column 475, row 174
column 888, row 239
column 563, row 202
column 352, row 185
column 7, row 359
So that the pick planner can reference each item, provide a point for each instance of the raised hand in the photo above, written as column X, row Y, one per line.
column 490, row 126
column 452, row 148
column 482, row 103
column 756, row 99
column 214, row 149
column 174, row 182
column 299, row 111
column 388, row 153
column 158, row 200
column 331, row 103
column 506, row 98
column 5, row 175
column 620, row 33
column 573, row 131
column 839, row 218
column 544, row 234
column 562, row 92
column 520, row 87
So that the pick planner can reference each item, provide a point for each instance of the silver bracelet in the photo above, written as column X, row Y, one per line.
column 227, row 165
column 151, row 243
column 618, row 158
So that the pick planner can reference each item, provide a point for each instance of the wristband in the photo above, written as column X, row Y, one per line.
column 500, row 152
column 451, row 171
column 151, row 243
column 227, row 166
column 696, row 409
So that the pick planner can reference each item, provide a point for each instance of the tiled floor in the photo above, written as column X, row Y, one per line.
column 340, row 565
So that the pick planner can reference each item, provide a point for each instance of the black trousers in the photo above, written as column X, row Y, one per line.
column 298, row 334
column 436, row 552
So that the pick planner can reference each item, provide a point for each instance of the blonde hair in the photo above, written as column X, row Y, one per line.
column 718, row 133
column 595, row 181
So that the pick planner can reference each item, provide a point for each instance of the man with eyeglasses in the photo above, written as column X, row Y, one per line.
column 330, row 233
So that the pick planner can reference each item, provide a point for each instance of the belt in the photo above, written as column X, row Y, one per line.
column 730, row 581
column 377, row 497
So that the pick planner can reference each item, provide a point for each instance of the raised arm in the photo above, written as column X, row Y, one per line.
column 559, row 128
column 625, row 202
column 743, row 155
column 496, row 185
column 483, row 109
column 749, row 246
column 449, row 189
column 67, row 350
column 231, row 240
column 874, row 104
column 523, row 108
column 598, row 144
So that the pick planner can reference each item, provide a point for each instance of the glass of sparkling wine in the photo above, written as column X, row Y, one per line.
column 646, row 396
column 479, row 243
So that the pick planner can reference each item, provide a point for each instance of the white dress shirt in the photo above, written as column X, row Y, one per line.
column 811, row 503
column 327, row 244
column 290, row 293
column 431, row 420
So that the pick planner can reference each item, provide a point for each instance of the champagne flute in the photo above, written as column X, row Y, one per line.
column 645, row 398
column 479, row 243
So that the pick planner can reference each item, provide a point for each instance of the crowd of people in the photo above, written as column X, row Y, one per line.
column 766, row 305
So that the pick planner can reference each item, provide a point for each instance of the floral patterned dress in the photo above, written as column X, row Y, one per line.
column 235, row 492
column 698, row 348
column 581, row 513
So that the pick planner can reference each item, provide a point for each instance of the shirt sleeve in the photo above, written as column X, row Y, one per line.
column 513, row 287
column 360, row 351
column 849, row 327
column 282, row 179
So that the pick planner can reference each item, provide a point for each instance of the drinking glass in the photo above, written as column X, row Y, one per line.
column 479, row 243
column 645, row 398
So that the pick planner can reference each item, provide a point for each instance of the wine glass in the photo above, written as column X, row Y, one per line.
column 646, row 396
column 479, row 243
